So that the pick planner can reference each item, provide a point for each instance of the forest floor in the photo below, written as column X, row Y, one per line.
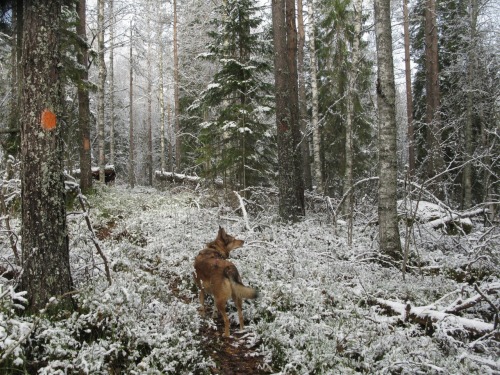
column 324, row 306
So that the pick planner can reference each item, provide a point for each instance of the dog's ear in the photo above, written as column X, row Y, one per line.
column 222, row 233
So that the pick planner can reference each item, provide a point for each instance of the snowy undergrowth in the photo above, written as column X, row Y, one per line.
column 315, row 313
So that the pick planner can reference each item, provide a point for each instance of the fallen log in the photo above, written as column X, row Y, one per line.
column 426, row 315
column 109, row 173
column 176, row 177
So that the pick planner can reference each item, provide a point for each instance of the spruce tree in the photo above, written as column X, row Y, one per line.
column 237, row 136
column 335, row 40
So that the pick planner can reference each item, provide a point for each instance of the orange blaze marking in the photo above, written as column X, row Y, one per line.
column 48, row 120
column 86, row 144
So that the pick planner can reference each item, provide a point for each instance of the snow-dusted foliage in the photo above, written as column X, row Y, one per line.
column 323, row 308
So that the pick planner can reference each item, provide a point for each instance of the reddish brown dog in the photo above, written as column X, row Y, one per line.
column 215, row 275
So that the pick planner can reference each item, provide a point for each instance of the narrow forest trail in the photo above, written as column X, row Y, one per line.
column 234, row 355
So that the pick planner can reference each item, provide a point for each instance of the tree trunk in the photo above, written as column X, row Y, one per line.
column 351, row 118
column 409, row 96
column 150, row 104
column 101, row 88
column 290, row 183
column 390, row 242
column 12, row 143
column 131, row 114
column 471, row 79
column 111, row 84
column 161, row 99
column 171, row 136
column 433, row 121
column 314, row 103
column 302, row 97
column 46, row 269
column 177, row 111
column 84, row 103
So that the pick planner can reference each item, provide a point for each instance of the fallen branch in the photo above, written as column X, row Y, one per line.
column 93, row 237
column 76, row 187
column 495, row 308
column 460, row 305
column 243, row 210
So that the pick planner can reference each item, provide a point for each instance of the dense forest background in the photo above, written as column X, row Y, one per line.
column 191, row 86
column 353, row 144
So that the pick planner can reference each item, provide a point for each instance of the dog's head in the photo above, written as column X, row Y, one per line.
column 230, row 242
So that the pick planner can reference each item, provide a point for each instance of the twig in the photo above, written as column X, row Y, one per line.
column 93, row 236
column 6, row 354
column 6, row 218
column 476, row 287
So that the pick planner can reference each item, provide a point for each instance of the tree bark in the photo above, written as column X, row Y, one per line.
column 161, row 99
column 150, row 104
column 111, row 84
column 177, row 111
column 46, row 268
column 84, row 102
column 433, row 120
column 290, row 181
column 471, row 79
column 131, row 114
column 305, row 149
column 390, row 242
column 409, row 96
column 101, row 88
column 318, row 174
column 351, row 118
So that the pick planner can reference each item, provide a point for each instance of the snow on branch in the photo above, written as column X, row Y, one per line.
column 176, row 177
column 425, row 315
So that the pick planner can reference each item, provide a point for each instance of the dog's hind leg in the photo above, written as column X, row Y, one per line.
column 221, row 306
column 239, row 305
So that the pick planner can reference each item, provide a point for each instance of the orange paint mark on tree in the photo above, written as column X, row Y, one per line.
column 86, row 144
column 48, row 120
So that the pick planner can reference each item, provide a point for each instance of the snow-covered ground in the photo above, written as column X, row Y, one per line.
column 324, row 307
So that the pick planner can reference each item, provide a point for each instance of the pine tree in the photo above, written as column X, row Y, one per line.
column 290, row 176
column 237, row 135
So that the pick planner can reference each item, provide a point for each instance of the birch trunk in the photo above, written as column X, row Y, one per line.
column 84, row 104
column 314, row 103
column 390, row 242
column 101, row 88
column 176, row 94
column 45, row 257
column 111, row 84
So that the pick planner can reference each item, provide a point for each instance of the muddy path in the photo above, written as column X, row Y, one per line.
column 235, row 355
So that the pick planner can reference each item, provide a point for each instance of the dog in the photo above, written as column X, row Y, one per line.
column 215, row 275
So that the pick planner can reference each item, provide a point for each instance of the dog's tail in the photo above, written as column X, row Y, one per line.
column 240, row 290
